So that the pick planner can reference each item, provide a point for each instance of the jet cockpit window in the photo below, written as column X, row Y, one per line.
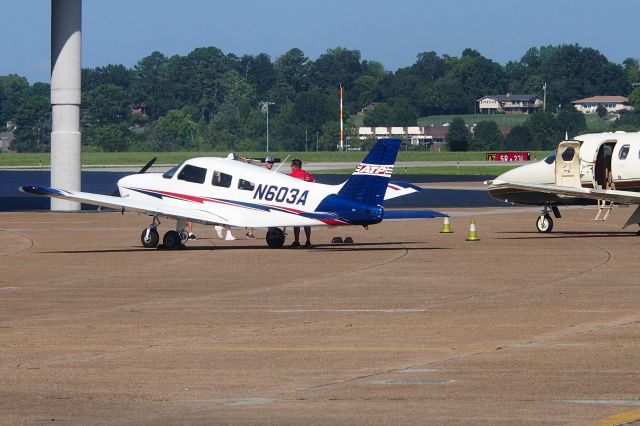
column 624, row 151
column 567, row 154
column 551, row 158
column 172, row 171
column 246, row 185
column 192, row 174
column 221, row 179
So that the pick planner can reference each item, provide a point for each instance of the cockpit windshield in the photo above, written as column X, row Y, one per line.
column 172, row 171
column 551, row 158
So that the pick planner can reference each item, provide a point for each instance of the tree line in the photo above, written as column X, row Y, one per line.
column 211, row 101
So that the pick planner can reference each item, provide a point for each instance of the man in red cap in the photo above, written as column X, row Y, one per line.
column 298, row 173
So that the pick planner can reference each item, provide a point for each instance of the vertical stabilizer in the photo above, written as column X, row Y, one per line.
column 368, row 183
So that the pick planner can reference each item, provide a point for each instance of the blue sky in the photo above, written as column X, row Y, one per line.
column 391, row 32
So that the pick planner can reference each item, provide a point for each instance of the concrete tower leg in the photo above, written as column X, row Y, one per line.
column 66, row 51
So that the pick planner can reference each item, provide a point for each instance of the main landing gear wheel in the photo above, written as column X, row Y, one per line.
column 150, row 238
column 172, row 240
column 544, row 223
column 275, row 238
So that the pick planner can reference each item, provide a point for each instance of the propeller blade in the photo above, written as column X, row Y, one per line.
column 149, row 164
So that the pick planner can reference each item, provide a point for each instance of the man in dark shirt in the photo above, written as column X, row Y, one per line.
column 298, row 173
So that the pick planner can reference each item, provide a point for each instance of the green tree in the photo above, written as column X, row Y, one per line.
column 292, row 69
column 545, row 131
column 147, row 82
column 14, row 91
column 337, row 66
column 33, row 125
column 634, row 98
column 458, row 135
column 404, row 113
column 519, row 138
column 381, row 115
column 571, row 121
column 113, row 137
column 486, row 137
column 107, row 103
column 175, row 131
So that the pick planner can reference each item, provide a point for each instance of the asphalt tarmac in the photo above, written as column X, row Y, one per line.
column 406, row 326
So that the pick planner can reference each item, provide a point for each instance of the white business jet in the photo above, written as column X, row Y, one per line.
column 225, row 191
column 596, row 168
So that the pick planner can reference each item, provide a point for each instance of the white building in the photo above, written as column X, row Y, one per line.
column 522, row 104
column 613, row 104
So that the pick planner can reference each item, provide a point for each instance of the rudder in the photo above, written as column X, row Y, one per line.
column 368, row 183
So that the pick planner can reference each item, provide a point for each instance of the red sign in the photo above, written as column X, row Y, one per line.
column 508, row 156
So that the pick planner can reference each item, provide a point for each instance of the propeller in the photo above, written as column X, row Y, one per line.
column 146, row 167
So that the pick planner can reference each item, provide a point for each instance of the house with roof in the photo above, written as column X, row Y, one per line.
column 509, row 104
column 613, row 104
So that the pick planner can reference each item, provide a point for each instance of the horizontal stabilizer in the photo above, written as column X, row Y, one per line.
column 412, row 214
column 399, row 189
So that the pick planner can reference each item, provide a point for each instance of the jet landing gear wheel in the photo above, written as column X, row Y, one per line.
column 275, row 238
column 172, row 240
column 150, row 238
column 544, row 223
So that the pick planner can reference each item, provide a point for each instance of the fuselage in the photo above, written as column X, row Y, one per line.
column 610, row 160
column 231, row 188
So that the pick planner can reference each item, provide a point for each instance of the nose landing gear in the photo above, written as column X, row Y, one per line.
column 544, row 223
column 150, row 237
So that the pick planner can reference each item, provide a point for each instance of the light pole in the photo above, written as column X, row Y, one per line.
column 264, row 106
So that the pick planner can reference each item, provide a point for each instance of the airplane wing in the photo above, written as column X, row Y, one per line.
column 399, row 189
column 150, row 208
column 621, row 197
column 249, row 215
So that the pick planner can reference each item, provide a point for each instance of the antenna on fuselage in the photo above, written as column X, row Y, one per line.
column 278, row 168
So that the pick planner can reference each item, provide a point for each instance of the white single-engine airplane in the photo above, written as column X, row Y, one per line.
column 596, row 168
column 224, row 191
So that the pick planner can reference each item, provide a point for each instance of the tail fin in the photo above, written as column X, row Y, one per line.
column 368, row 183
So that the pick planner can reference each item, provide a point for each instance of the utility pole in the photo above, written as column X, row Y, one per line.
column 264, row 105
column 544, row 99
column 341, row 120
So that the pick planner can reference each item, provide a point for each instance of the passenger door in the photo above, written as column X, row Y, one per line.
column 568, row 164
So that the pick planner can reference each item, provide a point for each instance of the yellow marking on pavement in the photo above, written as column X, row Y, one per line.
column 620, row 419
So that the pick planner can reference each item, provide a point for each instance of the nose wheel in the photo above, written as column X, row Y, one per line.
column 150, row 237
column 544, row 223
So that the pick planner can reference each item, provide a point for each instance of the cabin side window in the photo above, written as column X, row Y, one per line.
column 192, row 174
column 221, row 179
column 246, row 185
column 567, row 154
column 624, row 151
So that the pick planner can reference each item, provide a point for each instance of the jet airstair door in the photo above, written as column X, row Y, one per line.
column 568, row 164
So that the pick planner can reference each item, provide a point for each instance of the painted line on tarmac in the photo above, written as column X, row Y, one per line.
column 386, row 311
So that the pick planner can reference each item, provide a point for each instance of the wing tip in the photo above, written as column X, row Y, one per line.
column 39, row 190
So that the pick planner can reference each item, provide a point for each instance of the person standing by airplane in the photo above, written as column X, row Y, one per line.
column 298, row 173
column 268, row 164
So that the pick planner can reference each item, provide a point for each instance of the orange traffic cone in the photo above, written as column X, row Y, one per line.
column 446, row 227
column 473, row 236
